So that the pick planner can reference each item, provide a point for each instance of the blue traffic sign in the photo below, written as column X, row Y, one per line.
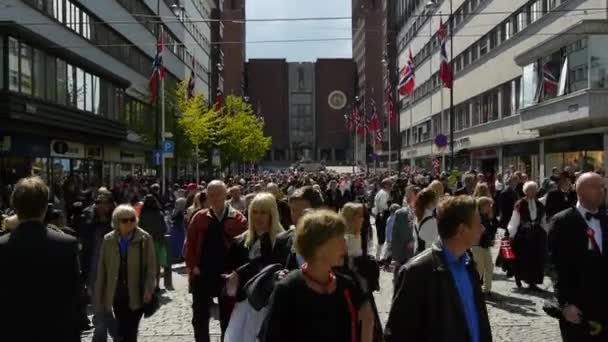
column 157, row 157
column 168, row 146
column 441, row 140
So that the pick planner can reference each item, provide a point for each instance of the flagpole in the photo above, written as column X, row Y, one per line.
column 451, row 88
column 156, row 109
column 411, row 135
column 365, row 137
column 389, row 147
column 162, row 123
column 441, row 122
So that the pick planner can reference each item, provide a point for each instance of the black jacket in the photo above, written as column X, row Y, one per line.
column 580, row 281
column 558, row 200
column 41, row 285
column 334, row 202
column 426, row 306
column 506, row 203
column 487, row 237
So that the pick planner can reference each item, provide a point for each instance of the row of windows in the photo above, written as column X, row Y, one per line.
column 520, row 19
column 33, row 72
column 500, row 102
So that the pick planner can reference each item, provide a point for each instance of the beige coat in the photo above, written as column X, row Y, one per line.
column 109, row 265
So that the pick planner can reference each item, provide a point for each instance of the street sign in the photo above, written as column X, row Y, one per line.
column 157, row 158
column 168, row 146
column 168, row 135
column 441, row 141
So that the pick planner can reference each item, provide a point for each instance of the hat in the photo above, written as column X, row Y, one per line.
column 191, row 187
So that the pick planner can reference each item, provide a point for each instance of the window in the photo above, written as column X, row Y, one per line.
column 476, row 110
column 473, row 5
column 436, row 125
column 474, row 52
column 506, row 30
column 522, row 20
column 483, row 46
column 457, row 64
column 39, row 73
column 26, row 69
column 13, row 64
column 505, row 104
column 536, row 11
column 493, row 39
column 62, row 83
column 515, row 95
column 51, row 78
column 529, row 85
column 465, row 58
column 81, row 87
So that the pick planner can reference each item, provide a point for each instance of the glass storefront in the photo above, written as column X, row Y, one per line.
column 579, row 153
column 522, row 157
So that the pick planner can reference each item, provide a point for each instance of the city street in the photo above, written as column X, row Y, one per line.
column 515, row 315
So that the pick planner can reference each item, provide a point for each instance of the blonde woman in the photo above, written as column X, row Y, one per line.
column 118, row 285
column 256, row 250
column 482, row 190
column 354, row 216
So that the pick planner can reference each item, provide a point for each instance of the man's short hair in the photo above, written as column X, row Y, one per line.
column 30, row 198
column 314, row 229
column 307, row 193
column 452, row 212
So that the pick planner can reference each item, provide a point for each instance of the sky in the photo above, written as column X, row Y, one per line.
column 300, row 51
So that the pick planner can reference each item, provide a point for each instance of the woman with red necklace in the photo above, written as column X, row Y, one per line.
column 313, row 303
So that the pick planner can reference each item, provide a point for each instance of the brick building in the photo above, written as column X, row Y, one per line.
column 303, row 106
column 232, row 59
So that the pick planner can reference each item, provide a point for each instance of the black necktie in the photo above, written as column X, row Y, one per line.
column 589, row 216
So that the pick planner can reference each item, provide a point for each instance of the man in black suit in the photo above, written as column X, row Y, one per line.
column 578, row 244
column 333, row 197
column 40, row 273
column 562, row 198
column 506, row 201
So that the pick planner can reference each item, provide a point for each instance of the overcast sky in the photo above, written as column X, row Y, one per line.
column 300, row 51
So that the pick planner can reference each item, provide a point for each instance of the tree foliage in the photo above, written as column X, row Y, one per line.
column 234, row 129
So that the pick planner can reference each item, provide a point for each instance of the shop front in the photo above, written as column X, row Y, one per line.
column 121, row 163
column 579, row 153
column 485, row 160
column 22, row 155
column 523, row 157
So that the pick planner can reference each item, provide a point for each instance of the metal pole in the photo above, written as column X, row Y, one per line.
column 410, row 137
column 452, row 88
column 389, row 147
column 198, row 174
column 157, row 111
column 442, row 130
column 162, row 129
column 431, row 73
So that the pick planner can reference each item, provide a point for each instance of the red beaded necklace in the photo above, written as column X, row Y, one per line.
column 327, row 287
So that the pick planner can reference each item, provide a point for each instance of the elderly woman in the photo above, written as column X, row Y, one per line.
column 255, row 250
column 127, row 267
column 527, row 229
column 314, row 303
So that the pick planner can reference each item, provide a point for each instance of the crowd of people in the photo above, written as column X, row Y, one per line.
column 269, row 254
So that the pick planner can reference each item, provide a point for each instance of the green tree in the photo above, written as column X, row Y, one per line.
column 197, row 122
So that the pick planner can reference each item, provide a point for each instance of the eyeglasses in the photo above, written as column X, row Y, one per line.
column 127, row 220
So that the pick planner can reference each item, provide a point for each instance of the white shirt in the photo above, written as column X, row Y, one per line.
column 516, row 219
column 428, row 232
column 594, row 224
column 381, row 201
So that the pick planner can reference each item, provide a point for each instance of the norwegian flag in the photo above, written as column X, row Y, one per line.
column 445, row 70
column 191, row 84
column 219, row 100
column 407, row 80
column 158, row 69
column 349, row 120
column 390, row 104
column 374, row 122
column 550, row 82
column 360, row 122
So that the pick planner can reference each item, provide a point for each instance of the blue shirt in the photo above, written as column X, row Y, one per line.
column 464, row 285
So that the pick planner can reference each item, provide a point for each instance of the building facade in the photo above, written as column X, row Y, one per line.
column 232, row 60
column 528, row 84
column 303, row 107
column 74, row 83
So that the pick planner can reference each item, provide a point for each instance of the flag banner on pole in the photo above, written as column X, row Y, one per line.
column 407, row 78
column 361, row 122
column 550, row 82
column 219, row 100
column 191, row 82
column 158, row 69
column 374, row 122
column 445, row 70
column 349, row 119
column 378, row 136
column 390, row 104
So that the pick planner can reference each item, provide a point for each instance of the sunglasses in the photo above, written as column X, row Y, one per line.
column 127, row 220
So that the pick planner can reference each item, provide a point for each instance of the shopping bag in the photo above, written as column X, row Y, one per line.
column 245, row 323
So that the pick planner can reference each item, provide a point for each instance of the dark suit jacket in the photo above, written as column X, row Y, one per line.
column 403, row 227
column 582, row 274
column 506, row 203
column 557, row 201
column 427, row 307
column 334, row 202
column 40, row 285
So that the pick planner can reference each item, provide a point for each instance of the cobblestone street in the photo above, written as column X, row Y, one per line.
column 515, row 315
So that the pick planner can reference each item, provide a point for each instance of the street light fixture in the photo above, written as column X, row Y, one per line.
column 178, row 10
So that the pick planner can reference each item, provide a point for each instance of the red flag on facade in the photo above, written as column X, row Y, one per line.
column 219, row 100
column 550, row 82
column 407, row 78
column 379, row 137
column 191, row 84
column 445, row 70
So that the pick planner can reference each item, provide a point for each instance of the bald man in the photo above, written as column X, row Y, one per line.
column 206, row 252
column 578, row 244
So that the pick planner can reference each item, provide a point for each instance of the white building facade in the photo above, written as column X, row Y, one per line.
column 507, row 112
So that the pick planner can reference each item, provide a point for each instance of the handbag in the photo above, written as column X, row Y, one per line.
column 506, row 252
column 153, row 305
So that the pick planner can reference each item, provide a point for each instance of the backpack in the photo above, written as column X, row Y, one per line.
column 420, row 243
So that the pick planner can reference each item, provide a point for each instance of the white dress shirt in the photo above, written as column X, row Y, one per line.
column 516, row 219
column 594, row 224
column 381, row 202
column 428, row 231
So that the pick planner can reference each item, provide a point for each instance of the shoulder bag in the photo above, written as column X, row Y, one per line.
column 153, row 305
